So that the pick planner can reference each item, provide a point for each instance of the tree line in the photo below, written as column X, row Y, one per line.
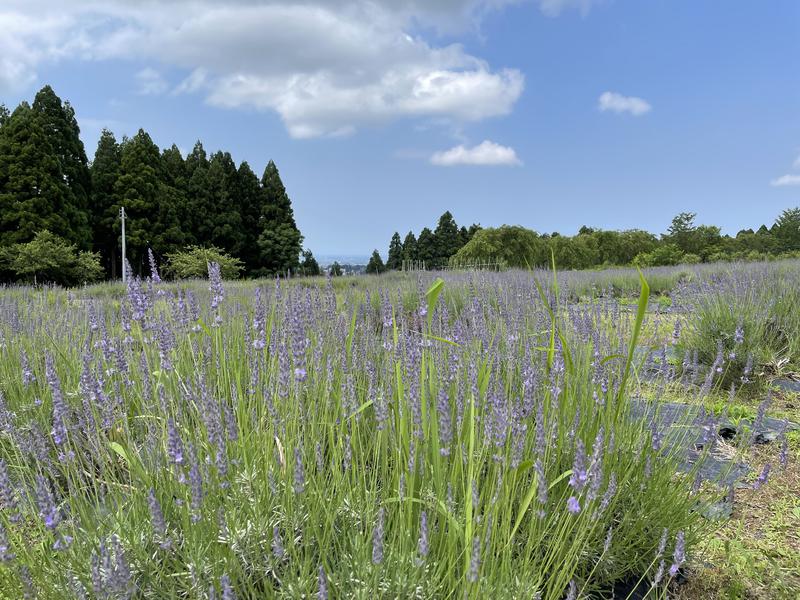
column 516, row 246
column 172, row 202
column 684, row 242
column 432, row 248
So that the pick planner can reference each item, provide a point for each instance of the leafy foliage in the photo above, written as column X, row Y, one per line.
column 193, row 263
column 375, row 264
column 309, row 266
column 51, row 259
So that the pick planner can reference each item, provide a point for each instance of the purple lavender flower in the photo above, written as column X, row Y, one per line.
column 28, row 376
column 679, row 556
column 157, row 519
column 579, row 473
column 277, row 544
column 195, row 484
column 299, row 472
column 542, row 485
column 322, row 591
column 46, row 503
column 5, row 555
column 174, row 444
column 607, row 543
column 475, row 560
column 738, row 335
column 60, row 409
column 572, row 592
column 227, row 588
column 377, row 537
column 153, row 268
column 445, row 422
column 762, row 478
column 8, row 496
column 573, row 505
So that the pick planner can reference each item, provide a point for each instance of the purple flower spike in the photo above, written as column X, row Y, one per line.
column 573, row 505
column 679, row 556
column 762, row 478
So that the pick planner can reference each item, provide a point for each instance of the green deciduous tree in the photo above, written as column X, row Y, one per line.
column 335, row 270
column 787, row 229
column 509, row 245
column 193, row 263
column 49, row 258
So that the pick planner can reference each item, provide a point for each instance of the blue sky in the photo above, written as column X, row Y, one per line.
column 380, row 116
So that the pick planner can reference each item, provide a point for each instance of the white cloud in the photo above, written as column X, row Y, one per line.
column 553, row 8
column 785, row 180
column 151, row 82
column 796, row 163
column 486, row 153
column 326, row 67
column 614, row 102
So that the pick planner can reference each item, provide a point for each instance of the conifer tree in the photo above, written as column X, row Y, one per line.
column 137, row 189
column 394, row 260
column 44, row 176
column 375, row 264
column 221, row 180
column 426, row 247
column 104, row 171
column 410, row 247
column 279, row 239
column 309, row 267
column 446, row 239
column 246, row 190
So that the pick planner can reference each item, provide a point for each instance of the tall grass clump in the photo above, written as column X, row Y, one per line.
column 284, row 441
column 743, row 324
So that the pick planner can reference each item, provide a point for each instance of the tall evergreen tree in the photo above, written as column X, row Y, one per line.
column 394, row 260
column 410, row 247
column 426, row 247
column 221, row 180
column 201, row 211
column 44, row 176
column 63, row 134
column 246, row 190
column 375, row 264
column 138, row 189
column 446, row 239
column 4, row 114
column 105, row 170
column 279, row 240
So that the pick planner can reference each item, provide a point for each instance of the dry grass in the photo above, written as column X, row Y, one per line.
column 756, row 555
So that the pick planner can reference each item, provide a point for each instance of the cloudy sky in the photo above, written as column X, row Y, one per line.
column 383, row 114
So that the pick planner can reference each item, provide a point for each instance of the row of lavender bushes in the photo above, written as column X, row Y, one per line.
column 413, row 439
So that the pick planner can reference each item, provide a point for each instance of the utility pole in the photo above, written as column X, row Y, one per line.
column 122, row 218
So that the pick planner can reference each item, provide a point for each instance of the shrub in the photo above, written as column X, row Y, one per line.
column 49, row 258
column 742, row 316
column 193, row 263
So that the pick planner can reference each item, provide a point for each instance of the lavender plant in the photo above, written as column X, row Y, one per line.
column 412, row 439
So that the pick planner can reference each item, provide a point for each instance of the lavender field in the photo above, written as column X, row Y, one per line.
column 452, row 435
